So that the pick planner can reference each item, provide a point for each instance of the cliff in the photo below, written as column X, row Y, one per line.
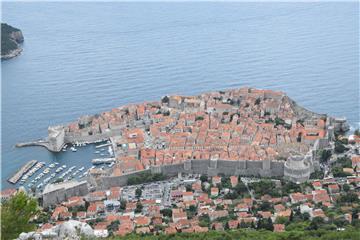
column 11, row 38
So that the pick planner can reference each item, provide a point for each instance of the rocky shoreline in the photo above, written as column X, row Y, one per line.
column 12, row 54
column 11, row 39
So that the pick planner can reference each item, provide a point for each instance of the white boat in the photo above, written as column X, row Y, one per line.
column 73, row 149
column 53, row 175
column 52, row 165
column 63, row 166
column 81, row 169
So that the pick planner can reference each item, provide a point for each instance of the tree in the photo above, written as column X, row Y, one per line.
column 243, row 225
column 325, row 155
column 339, row 147
column 16, row 214
column 357, row 132
column 167, row 212
column 346, row 187
column 203, row 178
column 265, row 224
column 265, row 206
column 316, row 223
column 204, row 220
column 123, row 205
column 192, row 208
column 338, row 172
column 113, row 227
column 279, row 121
column 138, row 193
column 199, row 118
column 139, row 207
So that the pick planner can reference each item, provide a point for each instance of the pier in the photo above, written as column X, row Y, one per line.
column 24, row 169
column 103, row 145
column 103, row 160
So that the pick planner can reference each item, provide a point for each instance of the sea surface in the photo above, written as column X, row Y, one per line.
column 85, row 58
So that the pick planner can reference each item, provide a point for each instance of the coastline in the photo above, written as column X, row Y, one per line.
column 12, row 54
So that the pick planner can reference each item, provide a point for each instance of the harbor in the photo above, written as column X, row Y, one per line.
column 74, row 161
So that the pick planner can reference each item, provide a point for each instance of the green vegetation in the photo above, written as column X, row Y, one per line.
column 203, row 178
column 265, row 224
column 204, row 220
column 139, row 207
column 317, row 175
column 145, row 178
column 16, row 214
column 199, row 118
column 279, row 121
column 8, row 44
column 238, row 191
column 325, row 155
column 138, row 193
column 249, row 234
column 338, row 172
column 339, row 147
column 265, row 187
column 357, row 132
column 113, row 227
column 167, row 212
column 337, row 167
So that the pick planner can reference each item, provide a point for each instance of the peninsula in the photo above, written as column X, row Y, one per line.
column 11, row 38
column 247, row 132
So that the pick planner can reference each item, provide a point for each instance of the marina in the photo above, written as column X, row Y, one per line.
column 38, row 174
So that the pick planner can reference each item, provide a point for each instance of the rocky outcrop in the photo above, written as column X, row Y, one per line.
column 70, row 230
column 11, row 38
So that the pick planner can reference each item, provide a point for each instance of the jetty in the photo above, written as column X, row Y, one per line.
column 41, row 143
column 102, row 160
column 24, row 169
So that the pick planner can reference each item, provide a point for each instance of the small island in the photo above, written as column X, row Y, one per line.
column 11, row 38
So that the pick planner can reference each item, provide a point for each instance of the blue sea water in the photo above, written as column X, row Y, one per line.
column 85, row 58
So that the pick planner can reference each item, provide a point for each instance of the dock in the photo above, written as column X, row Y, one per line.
column 102, row 160
column 103, row 145
column 24, row 169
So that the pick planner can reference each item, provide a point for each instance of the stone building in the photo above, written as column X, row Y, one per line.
column 56, row 138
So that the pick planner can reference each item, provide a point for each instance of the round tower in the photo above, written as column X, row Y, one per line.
column 297, row 169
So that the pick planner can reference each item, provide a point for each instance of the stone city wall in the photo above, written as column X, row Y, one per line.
column 62, row 194
column 72, row 138
column 228, row 168
column 107, row 182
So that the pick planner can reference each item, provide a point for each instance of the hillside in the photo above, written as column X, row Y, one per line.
column 10, row 39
